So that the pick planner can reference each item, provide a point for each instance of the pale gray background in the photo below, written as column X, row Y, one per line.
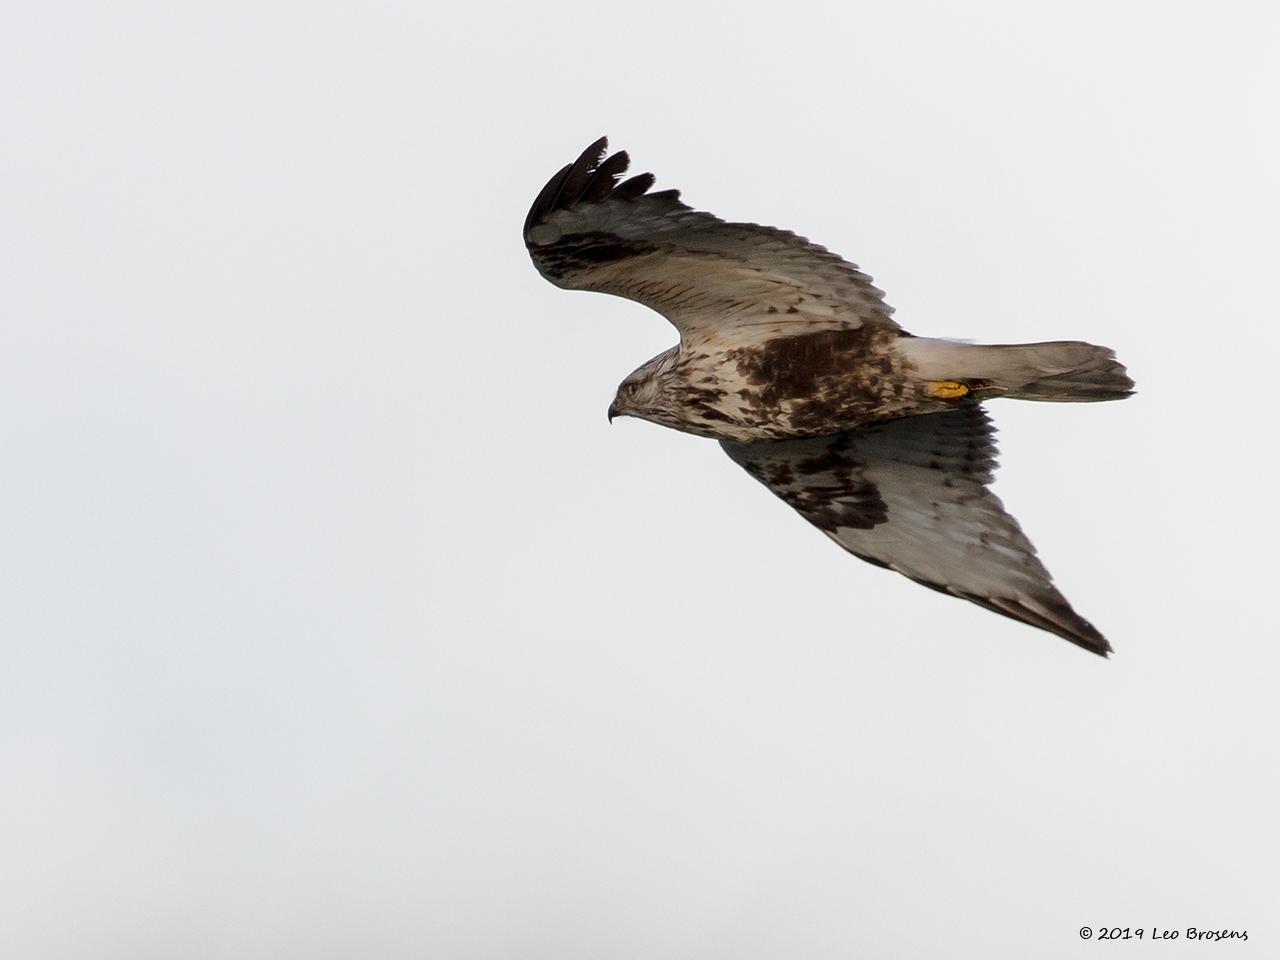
column 337, row 622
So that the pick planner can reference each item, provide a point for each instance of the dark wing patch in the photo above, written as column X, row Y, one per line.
column 911, row 495
column 587, row 231
column 824, row 481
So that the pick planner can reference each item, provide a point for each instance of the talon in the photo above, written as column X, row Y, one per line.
column 946, row 389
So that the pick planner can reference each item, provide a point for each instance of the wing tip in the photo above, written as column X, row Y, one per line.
column 1084, row 635
column 1051, row 614
column 594, row 177
column 1054, row 615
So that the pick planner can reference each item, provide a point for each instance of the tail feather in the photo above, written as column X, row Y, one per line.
column 1063, row 371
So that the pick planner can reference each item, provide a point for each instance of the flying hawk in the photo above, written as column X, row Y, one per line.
column 790, row 358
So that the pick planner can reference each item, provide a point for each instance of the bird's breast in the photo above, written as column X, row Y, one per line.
column 806, row 384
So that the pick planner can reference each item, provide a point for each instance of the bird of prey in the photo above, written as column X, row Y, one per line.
column 791, row 359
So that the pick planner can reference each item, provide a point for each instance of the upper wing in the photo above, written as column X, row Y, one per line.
column 911, row 495
column 586, row 231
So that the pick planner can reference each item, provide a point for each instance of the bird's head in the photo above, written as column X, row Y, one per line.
column 645, row 392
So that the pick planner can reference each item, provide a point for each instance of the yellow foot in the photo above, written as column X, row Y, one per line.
column 946, row 389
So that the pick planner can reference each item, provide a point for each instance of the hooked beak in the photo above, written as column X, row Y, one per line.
column 613, row 411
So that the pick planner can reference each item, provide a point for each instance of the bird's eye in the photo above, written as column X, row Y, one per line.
column 630, row 389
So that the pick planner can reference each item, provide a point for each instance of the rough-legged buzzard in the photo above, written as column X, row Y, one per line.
column 790, row 358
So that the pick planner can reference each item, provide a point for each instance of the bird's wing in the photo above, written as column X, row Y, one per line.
column 911, row 495
column 588, row 231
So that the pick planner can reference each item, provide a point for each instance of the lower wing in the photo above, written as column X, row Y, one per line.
column 911, row 495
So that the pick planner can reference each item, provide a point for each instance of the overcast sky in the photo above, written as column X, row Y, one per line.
column 338, row 622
